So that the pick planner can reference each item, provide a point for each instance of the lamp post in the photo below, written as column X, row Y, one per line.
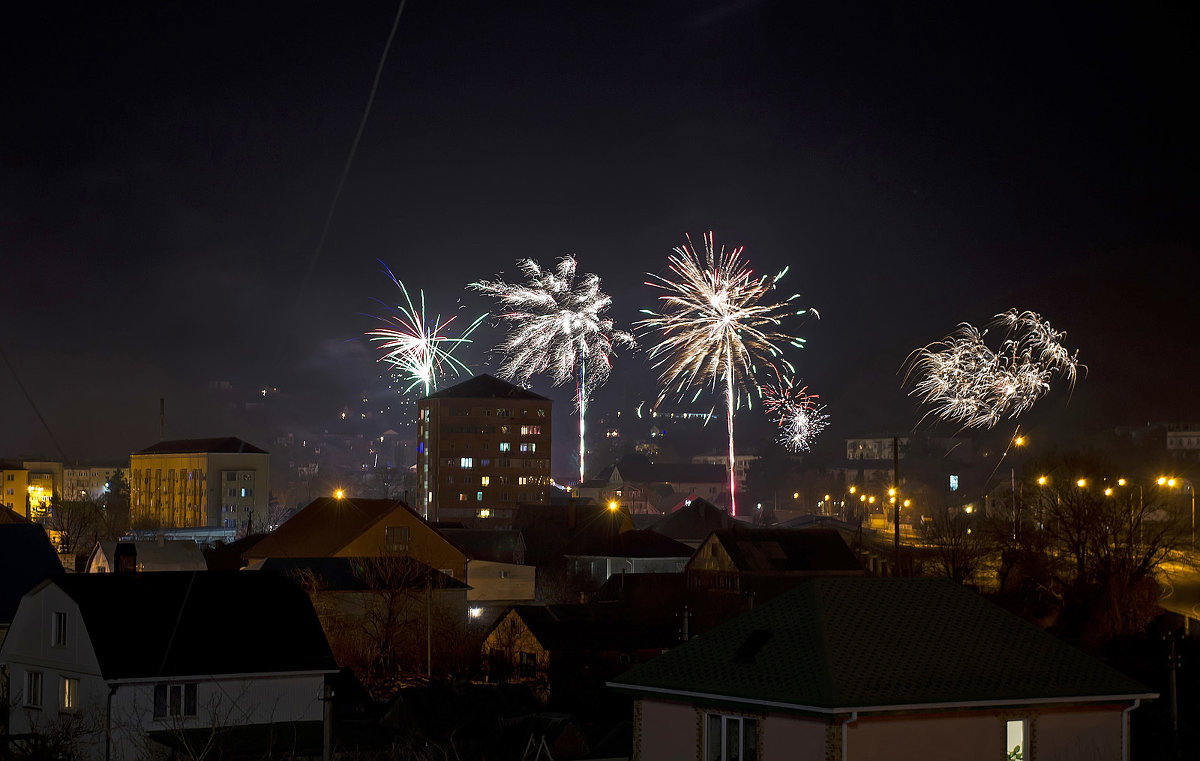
column 1171, row 482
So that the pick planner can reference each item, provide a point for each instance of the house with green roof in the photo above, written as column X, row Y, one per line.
column 859, row 668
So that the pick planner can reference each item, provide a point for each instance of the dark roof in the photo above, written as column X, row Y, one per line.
column 353, row 574
column 667, row 472
column 848, row 643
column 188, row 623
column 226, row 445
column 766, row 550
column 485, row 387
column 577, row 628
column 497, row 546
column 26, row 559
column 694, row 522
column 633, row 544
column 323, row 527
column 228, row 556
column 8, row 515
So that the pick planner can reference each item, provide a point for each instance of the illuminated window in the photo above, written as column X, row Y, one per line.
column 1017, row 739
column 483, row 513
column 528, row 447
column 69, row 697
column 531, row 430
column 505, row 446
column 462, row 497
column 485, row 480
column 522, row 480
column 478, row 496
column 730, row 738
column 541, row 413
column 465, row 462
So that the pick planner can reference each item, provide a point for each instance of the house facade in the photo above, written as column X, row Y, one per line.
column 865, row 669
column 79, row 656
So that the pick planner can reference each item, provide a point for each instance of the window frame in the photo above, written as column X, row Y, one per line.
column 724, row 721
column 34, row 694
column 58, row 629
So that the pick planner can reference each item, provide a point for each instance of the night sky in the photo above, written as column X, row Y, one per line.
column 166, row 170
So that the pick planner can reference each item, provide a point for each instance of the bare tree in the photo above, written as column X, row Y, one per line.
column 959, row 544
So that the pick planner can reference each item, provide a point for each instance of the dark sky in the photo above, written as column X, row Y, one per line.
column 166, row 168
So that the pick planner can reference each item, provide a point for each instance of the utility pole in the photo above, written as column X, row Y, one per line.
column 896, row 495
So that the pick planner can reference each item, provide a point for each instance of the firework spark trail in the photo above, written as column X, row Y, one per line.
column 796, row 412
column 716, row 325
column 416, row 347
column 559, row 327
column 967, row 382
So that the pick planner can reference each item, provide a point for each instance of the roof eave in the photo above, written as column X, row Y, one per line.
column 938, row 706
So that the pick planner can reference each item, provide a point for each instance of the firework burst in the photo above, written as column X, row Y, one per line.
column 797, row 413
column 559, row 327
column 416, row 347
column 716, row 325
column 968, row 383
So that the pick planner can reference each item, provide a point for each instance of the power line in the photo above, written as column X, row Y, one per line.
column 36, row 411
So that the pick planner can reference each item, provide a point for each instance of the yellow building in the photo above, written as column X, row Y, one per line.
column 14, row 488
column 200, row 483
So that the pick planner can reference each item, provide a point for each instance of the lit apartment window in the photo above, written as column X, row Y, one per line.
column 60, row 629
column 1017, row 739
column 33, row 689
column 505, row 446
column 465, row 462
column 483, row 512
column 69, row 697
column 531, row 430
column 485, row 480
column 528, row 447
column 478, row 496
column 541, row 413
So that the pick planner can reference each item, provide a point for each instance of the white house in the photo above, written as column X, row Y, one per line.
column 164, row 658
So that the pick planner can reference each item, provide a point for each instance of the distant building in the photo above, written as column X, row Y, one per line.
column 45, row 481
column 645, row 487
column 741, row 464
column 14, row 487
column 159, row 554
column 89, row 482
column 1184, row 444
column 200, row 482
column 483, row 447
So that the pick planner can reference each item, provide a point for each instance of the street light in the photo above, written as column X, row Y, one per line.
column 1081, row 483
column 1170, row 482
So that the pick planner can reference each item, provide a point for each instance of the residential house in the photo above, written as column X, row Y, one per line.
column 764, row 561
column 628, row 552
column 645, row 487
column 14, row 487
column 562, row 646
column 344, row 527
column 496, row 570
column 691, row 520
column 131, row 660
column 26, row 559
column 159, row 554
column 870, row 669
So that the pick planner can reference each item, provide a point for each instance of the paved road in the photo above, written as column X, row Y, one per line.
column 1181, row 585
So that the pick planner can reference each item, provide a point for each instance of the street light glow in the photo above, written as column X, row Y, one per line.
column 1081, row 483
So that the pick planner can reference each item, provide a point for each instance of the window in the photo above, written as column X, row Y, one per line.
column 485, row 462
column 483, row 512
column 69, row 697
column 531, row 430
column 395, row 539
column 730, row 738
column 528, row 447
column 541, row 413
column 231, row 476
column 478, row 496
column 174, row 700
column 465, row 462
column 33, row 689
column 462, row 497
column 527, row 665
column 1017, row 740
column 60, row 629
column 485, row 480
column 505, row 446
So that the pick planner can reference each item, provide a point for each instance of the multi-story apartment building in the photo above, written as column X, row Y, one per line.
column 200, row 482
column 483, row 447
column 88, row 482
column 14, row 487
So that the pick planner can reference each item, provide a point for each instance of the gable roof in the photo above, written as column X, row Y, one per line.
column 694, row 522
column 767, row 550
column 577, row 628
column 225, row 445
column 633, row 544
column 497, row 546
column 323, row 527
column 346, row 574
column 192, row 623
column 26, row 558
column 485, row 386
column 667, row 472
column 170, row 555
column 8, row 515
column 838, row 644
